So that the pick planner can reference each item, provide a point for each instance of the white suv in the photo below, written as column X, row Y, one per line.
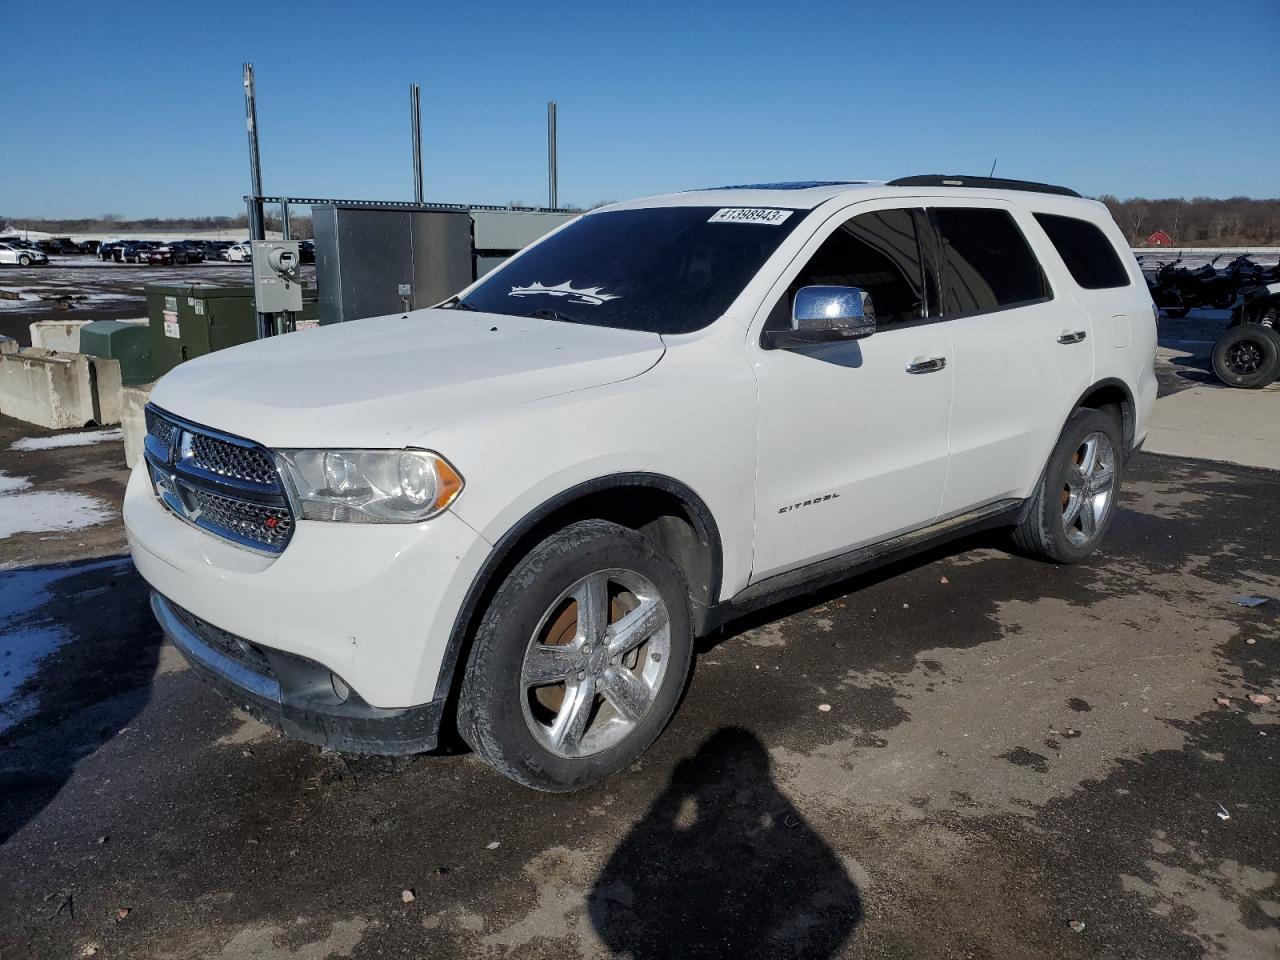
column 514, row 512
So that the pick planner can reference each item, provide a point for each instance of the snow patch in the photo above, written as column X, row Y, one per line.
column 43, row 510
column 27, row 634
column 10, row 484
column 67, row 440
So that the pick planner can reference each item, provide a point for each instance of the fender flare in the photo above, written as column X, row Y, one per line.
column 699, row 515
column 1128, row 416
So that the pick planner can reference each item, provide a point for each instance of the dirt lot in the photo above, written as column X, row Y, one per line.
column 1011, row 748
column 85, row 288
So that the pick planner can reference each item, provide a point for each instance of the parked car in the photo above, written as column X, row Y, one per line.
column 166, row 254
column 306, row 251
column 529, row 501
column 107, row 249
column 89, row 246
column 240, row 252
column 135, row 251
column 59, row 246
column 22, row 256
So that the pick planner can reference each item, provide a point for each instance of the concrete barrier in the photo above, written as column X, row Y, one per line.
column 60, row 335
column 53, row 390
column 60, row 391
column 133, row 402
column 107, row 389
column 64, row 335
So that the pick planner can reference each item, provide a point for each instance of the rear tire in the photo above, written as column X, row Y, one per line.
column 1075, row 501
column 553, row 697
column 1247, row 356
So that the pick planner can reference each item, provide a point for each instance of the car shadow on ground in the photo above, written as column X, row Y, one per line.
column 998, row 539
column 78, row 651
column 723, row 865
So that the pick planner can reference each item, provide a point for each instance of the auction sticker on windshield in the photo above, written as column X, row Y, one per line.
column 765, row 215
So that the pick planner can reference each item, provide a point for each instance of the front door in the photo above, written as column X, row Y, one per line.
column 852, row 445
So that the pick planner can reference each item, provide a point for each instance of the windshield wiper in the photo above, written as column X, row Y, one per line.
column 457, row 303
column 545, row 314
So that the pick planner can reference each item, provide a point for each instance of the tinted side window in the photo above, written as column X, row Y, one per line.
column 878, row 252
column 1086, row 251
column 986, row 262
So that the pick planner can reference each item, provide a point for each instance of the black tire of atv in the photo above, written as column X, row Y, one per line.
column 1264, row 340
column 1041, row 532
column 490, row 715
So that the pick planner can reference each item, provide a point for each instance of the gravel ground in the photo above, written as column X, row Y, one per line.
column 1019, row 760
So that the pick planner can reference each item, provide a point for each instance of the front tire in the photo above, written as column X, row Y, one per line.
column 24, row 261
column 1247, row 356
column 579, row 660
column 1074, row 504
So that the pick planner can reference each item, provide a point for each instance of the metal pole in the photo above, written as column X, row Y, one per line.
column 285, row 232
column 415, row 124
column 551, row 154
column 257, row 230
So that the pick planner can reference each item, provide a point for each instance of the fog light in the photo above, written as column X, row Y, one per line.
column 340, row 688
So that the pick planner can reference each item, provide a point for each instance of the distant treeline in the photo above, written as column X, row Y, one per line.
column 1199, row 222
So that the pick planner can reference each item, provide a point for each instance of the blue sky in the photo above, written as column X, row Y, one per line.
column 137, row 109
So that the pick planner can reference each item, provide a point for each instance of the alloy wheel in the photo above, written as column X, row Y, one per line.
column 595, row 663
column 1244, row 358
column 1088, row 489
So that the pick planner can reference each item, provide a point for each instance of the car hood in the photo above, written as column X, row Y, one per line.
column 389, row 381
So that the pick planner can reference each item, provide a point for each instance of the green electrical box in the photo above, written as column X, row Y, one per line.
column 130, row 343
column 190, row 320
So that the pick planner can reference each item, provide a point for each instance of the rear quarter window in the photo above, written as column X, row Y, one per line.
column 1089, row 255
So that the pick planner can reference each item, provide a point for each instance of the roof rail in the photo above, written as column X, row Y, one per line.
column 989, row 183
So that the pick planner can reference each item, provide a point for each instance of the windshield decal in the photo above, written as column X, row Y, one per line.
column 768, row 216
column 587, row 295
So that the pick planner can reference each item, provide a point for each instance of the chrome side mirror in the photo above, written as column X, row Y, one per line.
column 827, row 314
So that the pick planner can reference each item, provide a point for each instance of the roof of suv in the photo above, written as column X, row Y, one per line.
column 807, row 194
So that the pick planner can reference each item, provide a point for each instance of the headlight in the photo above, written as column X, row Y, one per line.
column 371, row 486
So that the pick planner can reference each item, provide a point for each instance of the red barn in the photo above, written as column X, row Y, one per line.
column 1159, row 239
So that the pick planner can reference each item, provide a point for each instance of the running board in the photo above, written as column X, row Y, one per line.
column 814, row 576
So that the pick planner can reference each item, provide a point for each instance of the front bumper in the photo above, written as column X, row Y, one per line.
column 295, row 695
column 374, row 603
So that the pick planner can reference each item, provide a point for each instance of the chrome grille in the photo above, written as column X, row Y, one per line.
column 269, row 525
column 229, row 460
column 159, row 428
column 222, row 484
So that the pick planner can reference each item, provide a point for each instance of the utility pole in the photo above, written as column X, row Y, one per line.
column 552, row 160
column 415, row 126
column 256, row 228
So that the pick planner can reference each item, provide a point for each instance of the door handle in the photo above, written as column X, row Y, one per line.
column 1071, row 336
column 931, row 365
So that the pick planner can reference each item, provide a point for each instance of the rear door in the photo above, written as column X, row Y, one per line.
column 1105, row 281
column 1023, row 350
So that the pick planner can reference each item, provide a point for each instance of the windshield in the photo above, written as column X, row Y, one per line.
column 662, row 269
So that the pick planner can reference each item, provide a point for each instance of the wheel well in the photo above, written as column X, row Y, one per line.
column 1114, row 400
column 671, row 515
